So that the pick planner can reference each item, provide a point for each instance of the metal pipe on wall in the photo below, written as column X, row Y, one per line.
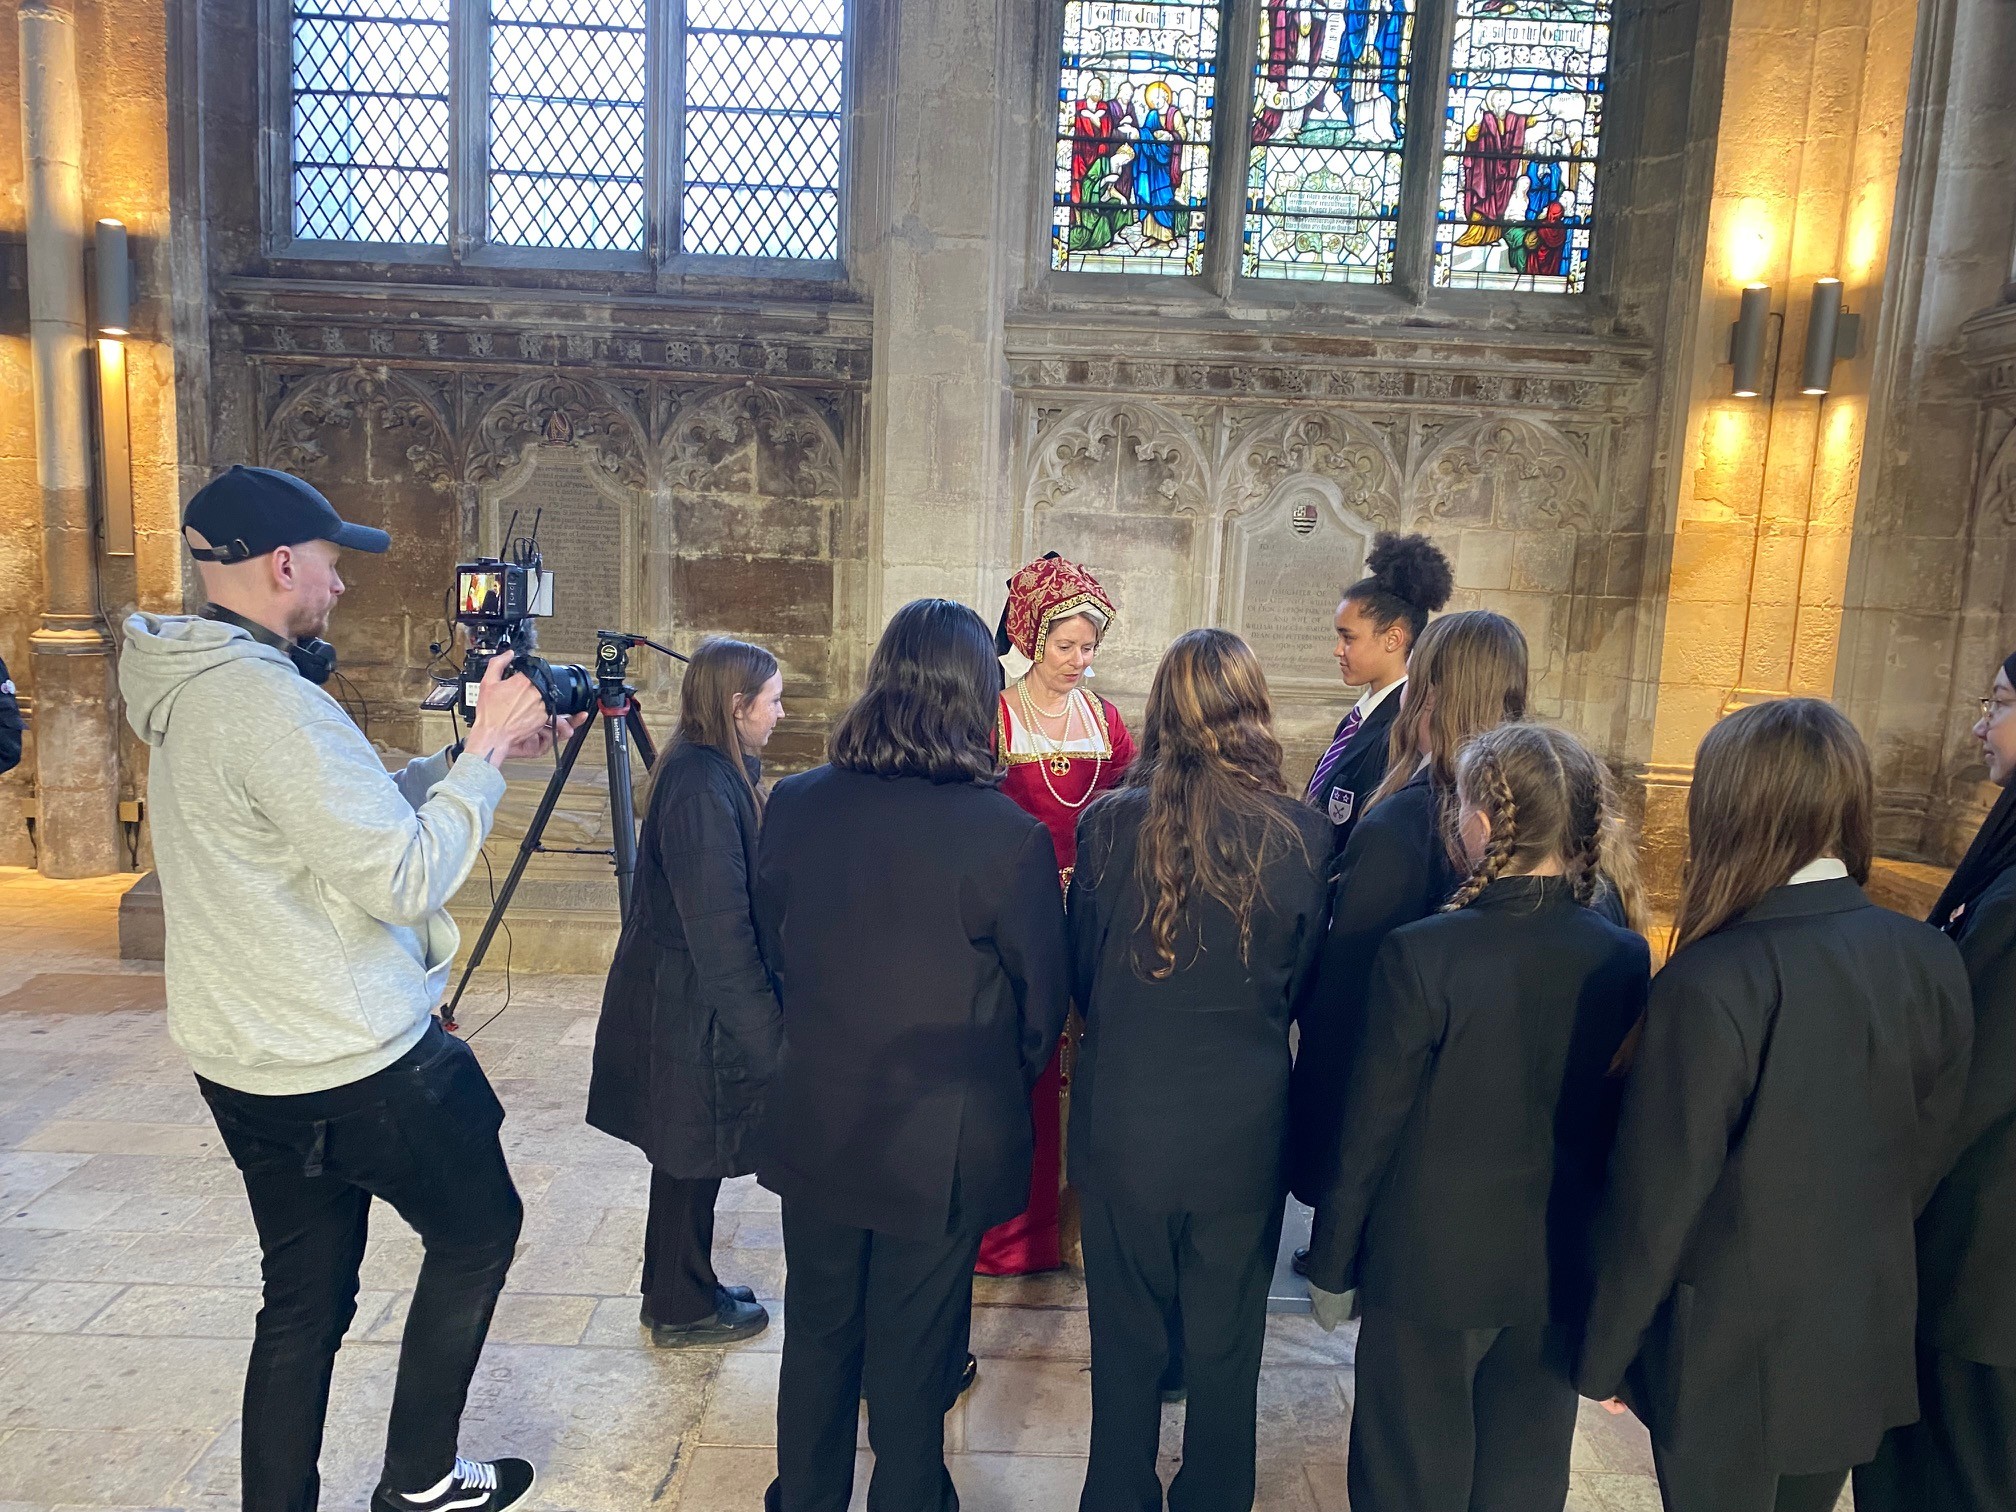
column 76, row 739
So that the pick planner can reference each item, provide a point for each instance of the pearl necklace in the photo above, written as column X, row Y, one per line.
column 1051, row 754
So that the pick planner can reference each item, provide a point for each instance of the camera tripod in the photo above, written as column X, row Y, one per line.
column 617, row 712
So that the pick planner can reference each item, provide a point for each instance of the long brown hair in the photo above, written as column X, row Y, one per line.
column 1775, row 786
column 1211, row 768
column 1547, row 795
column 722, row 674
column 928, row 709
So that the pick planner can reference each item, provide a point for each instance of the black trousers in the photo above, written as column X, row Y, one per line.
column 1960, row 1456
column 1450, row 1419
column 1732, row 1481
column 1156, row 1282
column 679, row 1281
column 863, row 1309
column 421, row 1135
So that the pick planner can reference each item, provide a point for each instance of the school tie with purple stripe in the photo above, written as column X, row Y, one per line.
column 1344, row 733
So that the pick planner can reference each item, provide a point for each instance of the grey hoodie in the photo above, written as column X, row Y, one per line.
column 302, row 885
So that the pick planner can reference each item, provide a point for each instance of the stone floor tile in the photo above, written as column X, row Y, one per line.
column 743, row 1195
column 1045, row 1289
column 1283, row 1486
column 139, row 1102
column 1327, row 1487
column 221, row 1215
column 117, row 1467
column 180, row 1257
column 28, row 1254
column 65, row 1210
column 1611, row 1443
column 93, row 1381
column 602, row 1270
column 721, row 1479
column 742, row 1403
column 161, row 1215
column 758, row 1229
column 1295, row 1339
column 993, row 1482
column 1302, row 1415
column 1021, row 1407
column 90, row 1137
column 1621, row 1493
column 154, row 1175
column 540, row 1318
column 1031, row 1333
column 195, row 1312
column 622, row 1228
column 58, row 1306
column 614, row 1325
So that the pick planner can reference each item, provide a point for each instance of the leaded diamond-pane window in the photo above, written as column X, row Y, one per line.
column 763, row 128
column 624, row 129
column 370, row 120
column 1346, row 152
column 567, row 124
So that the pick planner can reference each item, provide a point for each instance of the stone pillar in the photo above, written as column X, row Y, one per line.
column 76, row 745
column 1805, row 179
column 938, row 400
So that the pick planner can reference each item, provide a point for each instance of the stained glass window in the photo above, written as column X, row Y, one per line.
column 1329, row 114
column 370, row 120
column 763, row 128
column 567, row 124
column 1524, row 115
column 1134, row 117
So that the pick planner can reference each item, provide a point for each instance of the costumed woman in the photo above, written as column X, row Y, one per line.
column 1062, row 744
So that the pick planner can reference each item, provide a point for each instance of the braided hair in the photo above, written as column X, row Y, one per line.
column 1546, row 796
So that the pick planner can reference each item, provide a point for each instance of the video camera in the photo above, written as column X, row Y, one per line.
column 497, row 602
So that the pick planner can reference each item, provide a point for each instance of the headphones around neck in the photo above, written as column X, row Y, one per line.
column 314, row 659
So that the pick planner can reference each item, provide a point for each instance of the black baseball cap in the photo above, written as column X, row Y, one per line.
column 250, row 511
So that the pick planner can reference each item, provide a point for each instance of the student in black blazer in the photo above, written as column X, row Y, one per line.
column 911, row 913
column 1790, row 1107
column 1381, row 616
column 1467, row 674
column 1197, row 907
column 1478, row 1122
column 689, row 1032
column 1960, row 1456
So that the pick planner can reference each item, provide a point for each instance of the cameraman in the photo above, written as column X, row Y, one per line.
column 303, row 890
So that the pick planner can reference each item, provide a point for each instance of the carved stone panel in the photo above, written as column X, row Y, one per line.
column 584, row 536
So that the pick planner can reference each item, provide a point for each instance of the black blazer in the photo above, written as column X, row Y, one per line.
column 1786, row 1117
column 689, row 1032
column 1359, row 768
column 917, row 933
column 1180, row 1099
column 1967, row 1233
column 10, row 723
column 1394, row 870
column 1481, row 1110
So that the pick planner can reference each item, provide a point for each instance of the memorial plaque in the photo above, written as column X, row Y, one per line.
column 1293, row 567
column 582, row 540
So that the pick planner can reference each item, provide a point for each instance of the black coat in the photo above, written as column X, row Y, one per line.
column 1967, row 1233
column 917, row 933
column 1481, row 1110
column 1394, row 870
column 1359, row 768
column 690, row 1030
column 1180, row 1099
column 1787, row 1114
column 10, row 724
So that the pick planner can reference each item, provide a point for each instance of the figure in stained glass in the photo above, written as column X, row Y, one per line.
column 1132, row 164
column 1329, row 118
column 1526, row 82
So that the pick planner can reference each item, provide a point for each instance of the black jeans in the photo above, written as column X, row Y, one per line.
column 679, row 1282
column 421, row 1135
column 1449, row 1419
column 1182, row 1291
column 893, row 1315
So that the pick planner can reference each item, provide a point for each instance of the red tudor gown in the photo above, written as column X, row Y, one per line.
column 1030, row 1242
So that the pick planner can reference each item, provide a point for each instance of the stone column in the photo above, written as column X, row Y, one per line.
column 76, row 745
column 947, row 178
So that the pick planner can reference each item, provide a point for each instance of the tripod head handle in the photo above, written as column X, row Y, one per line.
column 629, row 640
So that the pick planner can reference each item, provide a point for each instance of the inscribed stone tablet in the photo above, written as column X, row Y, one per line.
column 581, row 539
column 1289, row 588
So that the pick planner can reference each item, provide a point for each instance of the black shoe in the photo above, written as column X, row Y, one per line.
column 967, row 1377
column 731, row 1293
column 1299, row 1263
column 472, row 1486
column 733, row 1319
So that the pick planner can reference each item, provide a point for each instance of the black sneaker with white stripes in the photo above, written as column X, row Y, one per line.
column 472, row 1486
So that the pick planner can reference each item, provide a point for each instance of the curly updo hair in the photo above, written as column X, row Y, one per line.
column 1407, row 578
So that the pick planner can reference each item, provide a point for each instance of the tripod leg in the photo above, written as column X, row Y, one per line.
column 622, row 808
column 527, row 849
column 640, row 736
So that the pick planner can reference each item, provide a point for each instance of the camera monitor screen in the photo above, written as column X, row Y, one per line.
column 480, row 595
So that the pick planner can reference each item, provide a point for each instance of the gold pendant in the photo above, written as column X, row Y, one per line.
column 1060, row 764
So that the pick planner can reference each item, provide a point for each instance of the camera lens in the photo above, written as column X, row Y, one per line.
column 567, row 689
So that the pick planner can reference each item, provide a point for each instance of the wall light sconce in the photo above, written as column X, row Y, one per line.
column 1832, row 335
column 113, row 323
column 1747, row 338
